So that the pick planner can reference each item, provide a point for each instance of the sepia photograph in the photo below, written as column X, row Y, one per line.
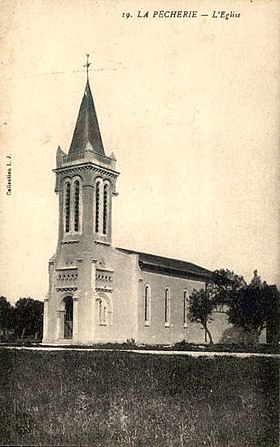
column 140, row 223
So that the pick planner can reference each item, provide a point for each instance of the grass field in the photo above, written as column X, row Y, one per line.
column 127, row 399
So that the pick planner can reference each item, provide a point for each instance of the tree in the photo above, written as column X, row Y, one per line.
column 254, row 306
column 29, row 317
column 6, row 315
column 224, row 286
column 200, row 310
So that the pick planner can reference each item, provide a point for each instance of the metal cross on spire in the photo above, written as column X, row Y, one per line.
column 87, row 65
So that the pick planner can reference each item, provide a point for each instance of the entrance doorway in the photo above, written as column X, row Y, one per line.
column 68, row 317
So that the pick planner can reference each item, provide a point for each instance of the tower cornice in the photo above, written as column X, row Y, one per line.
column 86, row 166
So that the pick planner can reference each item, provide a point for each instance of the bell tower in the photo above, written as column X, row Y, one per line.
column 85, row 185
column 85, row 182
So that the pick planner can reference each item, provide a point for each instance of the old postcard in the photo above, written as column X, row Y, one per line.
column 139, row 154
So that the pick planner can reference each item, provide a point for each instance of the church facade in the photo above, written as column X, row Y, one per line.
column 99, row 293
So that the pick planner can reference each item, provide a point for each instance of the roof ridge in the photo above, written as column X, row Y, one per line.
column 165, row 258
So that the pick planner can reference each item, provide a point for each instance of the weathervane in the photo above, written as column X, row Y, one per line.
column 87, row 65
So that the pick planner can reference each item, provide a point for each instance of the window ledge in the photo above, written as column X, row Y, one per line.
column 186, row 325
column 70, row 241
column 147, row 323
column 103, row 324
column 167, row 324
column 101, row 242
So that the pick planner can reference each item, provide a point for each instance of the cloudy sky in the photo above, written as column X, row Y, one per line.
column 188, row 106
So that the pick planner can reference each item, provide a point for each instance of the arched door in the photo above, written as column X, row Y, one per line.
column 68, row 317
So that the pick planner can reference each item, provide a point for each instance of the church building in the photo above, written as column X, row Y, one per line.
column 99, row 293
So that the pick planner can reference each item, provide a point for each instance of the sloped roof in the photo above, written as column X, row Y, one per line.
column 87, row 132
column 169, row 266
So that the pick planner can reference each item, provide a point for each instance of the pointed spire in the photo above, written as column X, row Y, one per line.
column 87, row 128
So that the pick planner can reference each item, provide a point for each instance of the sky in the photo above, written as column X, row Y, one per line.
column 188, row 106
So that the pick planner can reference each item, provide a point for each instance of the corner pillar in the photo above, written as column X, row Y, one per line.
column 60, row 314
column 75, row 315
column 46, row 318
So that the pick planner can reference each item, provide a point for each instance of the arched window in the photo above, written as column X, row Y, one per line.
column 102, row 312
column 97, row 206
column 105, row 208
column 67, row 207
column 76, row 204
column 167, row 307
column 147, row 305
column 186, row 308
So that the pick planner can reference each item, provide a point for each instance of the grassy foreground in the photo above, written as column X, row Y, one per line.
column 127, row 399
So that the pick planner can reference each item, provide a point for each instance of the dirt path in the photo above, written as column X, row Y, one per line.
column 146, row 351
